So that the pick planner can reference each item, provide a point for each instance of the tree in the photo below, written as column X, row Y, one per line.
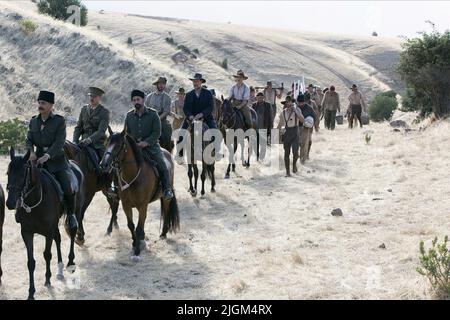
column 58, row 9
column 383, row 106
column 425, row 67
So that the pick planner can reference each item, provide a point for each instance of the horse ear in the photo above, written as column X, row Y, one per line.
column 221, row 96
column 27, row 155
column 110, row 131
column 12, row 153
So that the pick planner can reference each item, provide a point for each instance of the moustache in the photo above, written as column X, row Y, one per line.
column 138, row 105
column 41, row 108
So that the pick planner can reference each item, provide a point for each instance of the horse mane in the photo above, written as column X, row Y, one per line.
column 136, row 150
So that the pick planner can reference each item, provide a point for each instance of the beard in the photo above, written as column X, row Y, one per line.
column 138, row 106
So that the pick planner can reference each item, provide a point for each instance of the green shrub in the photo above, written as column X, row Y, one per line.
column 382, row 107
column 130, row 41
column 435, row 265
column 58, row 10
column 417, row 101
column 196, row 51
column 28, row 26
column 184, row 49
column 170, row 40
column 13, row 133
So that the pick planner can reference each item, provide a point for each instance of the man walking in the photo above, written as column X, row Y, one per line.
column 331, row 105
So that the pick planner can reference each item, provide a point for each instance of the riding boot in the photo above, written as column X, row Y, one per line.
column 71, row 218
column 287, row 164
column 164, row 176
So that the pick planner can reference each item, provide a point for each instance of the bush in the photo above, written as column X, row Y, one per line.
column 130, row 41
column 425, row 67
column 58, row 10
column 13, row 133
column 435, row 265
column 170, row 40
column 196, row 51
column 184, row 49
column 28, row 26
column 383, row 107
column 224, row 64
column 416, row 101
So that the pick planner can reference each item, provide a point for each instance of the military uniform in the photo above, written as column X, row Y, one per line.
column 147, row 127
column 48, row 137
column 92, row 124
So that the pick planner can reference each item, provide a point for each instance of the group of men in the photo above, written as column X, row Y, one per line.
column 148, row 124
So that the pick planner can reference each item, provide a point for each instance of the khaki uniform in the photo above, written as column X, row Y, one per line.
column 93, row 123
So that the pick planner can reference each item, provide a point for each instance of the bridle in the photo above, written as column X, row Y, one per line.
column 115, row 166
column 231, row 117
column 24, row 192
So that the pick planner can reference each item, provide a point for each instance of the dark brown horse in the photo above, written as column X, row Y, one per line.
column 39, row 208
column 92, row 184
column 231, row 120
column 207, row 168
column 138, row 186
column 2, row 220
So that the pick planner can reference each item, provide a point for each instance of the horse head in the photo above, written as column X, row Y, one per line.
column 114, row 150
column 226, row 110
column 18, row 170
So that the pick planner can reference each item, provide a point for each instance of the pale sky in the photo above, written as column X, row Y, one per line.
column 387, row 18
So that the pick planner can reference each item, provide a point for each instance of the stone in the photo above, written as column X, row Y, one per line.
column 382, row 246
column 337, row 212
column 398, row 124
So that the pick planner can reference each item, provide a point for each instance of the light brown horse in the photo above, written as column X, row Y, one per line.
column 92, row 184
column 139, row 186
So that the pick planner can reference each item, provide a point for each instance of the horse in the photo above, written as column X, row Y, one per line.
column 39, row 207
column 138, row 186
column 92, row 184
column 2, row 220
column 207, row 169
column 229, row 119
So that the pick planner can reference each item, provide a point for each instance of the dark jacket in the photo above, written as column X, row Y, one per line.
column 308, row 111
column 50, row 139
column 144, row 128
column 203, row 104
column 93, row 125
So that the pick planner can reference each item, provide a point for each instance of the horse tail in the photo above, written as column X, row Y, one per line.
column 2, row 219
column 171, row 216
column 210, row 171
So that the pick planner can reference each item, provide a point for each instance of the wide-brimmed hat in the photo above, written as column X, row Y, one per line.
column 288, row 99
column 160, row 79
column 180, row 91
column 198, row 76
column 260, row 94
column 354, row 86
column 311, row 86
column 240, row 73
column 269, row 83
column 94, row 91
column 46, row 96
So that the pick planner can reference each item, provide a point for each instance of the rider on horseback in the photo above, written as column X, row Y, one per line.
column 47, row 132
column 240, row 96
column 144, row 125
column 91, row 127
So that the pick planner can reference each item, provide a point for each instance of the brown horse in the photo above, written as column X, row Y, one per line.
column 92, row 184
column 138, row 186
column 2, row 220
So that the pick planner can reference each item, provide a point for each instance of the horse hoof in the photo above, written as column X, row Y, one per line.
column 47, row 284
column 163, row 236
column 193, row 193
column 30, row 298
column 143, row 245
column 60, row 277
column 116, row 225
column 213, row 190
column 203, row 193
column 79, row 242
column 71, row 268
column 135, row 258
column 227, row 176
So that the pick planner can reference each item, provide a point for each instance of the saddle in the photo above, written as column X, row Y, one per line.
column 94, row 159
column 72, row 172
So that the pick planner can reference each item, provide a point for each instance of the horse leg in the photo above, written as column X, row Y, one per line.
column 213, row 178
column 195, row 177
column 80, row 232
column 139, row 233
column 28, row 240
column 60, row 272
column 48, row 258
column 1, row 246
column 171, row 216
column 190, row 175
column 129, row 214
column 203, row 177
column 71, row 263
column 114, row 205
